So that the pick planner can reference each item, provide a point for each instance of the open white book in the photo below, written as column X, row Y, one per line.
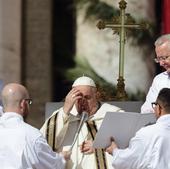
column 122, row 126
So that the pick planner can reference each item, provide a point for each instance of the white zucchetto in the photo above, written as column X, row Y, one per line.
column 84, row 81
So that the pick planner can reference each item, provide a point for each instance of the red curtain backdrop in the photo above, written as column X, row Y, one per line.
column 166, row 16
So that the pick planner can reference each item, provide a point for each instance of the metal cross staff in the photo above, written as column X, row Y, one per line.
column 119, row 25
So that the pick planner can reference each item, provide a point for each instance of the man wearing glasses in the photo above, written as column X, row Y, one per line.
column 21, row 145
column 149, row 148
column 162, row 80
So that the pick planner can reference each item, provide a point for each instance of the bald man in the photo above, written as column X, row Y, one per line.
column 21, row 145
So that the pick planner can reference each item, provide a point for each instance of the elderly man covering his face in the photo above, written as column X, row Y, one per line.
column 61, row 127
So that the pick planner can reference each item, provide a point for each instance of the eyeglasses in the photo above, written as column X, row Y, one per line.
column 154, row 104
column 161, row 58
column 29, row 101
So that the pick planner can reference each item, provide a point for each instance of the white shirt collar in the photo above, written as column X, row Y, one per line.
column 164, row 118
column 8, row 115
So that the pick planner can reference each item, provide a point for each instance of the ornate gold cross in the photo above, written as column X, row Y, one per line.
column 119, row 25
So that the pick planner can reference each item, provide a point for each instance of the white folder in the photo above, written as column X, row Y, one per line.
column 122, row 126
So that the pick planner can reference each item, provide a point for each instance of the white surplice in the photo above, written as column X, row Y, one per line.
column 149, row 149
column 160, row 81
column 80, row 160
column 23, row 146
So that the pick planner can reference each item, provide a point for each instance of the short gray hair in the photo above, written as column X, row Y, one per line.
column 162, row 39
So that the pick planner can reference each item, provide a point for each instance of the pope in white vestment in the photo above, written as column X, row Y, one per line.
column 80, row 160
column 60, row 129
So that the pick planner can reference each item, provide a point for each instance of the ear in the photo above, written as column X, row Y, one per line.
column 159, row 111
column 22, row 105
column 98, row 95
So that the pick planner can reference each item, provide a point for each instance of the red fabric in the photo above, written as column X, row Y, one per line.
column 166, row 17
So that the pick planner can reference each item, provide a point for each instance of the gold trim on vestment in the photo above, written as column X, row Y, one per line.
column 100, row 156
column 51, row 130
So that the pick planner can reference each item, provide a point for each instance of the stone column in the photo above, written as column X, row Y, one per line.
column 37, row 55
column 10, row 41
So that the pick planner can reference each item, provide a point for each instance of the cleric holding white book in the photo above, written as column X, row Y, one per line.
column 60, row 128
column 150, row 147
column 162, row 80
column 21, row 145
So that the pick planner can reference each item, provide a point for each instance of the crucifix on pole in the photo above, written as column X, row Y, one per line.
column 120, row 25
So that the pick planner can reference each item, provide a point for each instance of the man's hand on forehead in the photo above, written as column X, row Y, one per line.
column 74, row 93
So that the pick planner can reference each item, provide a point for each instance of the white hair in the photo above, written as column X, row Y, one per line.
column 163, row 39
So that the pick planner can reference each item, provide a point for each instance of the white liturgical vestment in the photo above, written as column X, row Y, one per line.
column 160, row 81
column 23, row 146
column 64, row 133
column 149, row 149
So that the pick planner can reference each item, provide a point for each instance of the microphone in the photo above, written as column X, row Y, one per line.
column 84, row 117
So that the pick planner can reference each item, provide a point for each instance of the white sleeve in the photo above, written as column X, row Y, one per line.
column 151, row 97
column 130, row 157
column 39, row 155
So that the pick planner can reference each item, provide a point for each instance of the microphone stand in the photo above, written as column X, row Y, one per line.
column 84, row 117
